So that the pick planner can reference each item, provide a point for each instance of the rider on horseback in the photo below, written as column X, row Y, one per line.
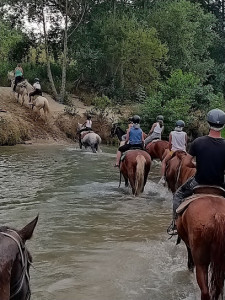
column 156, row 130
column 86, row 126
column 135, row 138
column 210, row 162
column 18, row 72
column 37, row 89
column 177, row 142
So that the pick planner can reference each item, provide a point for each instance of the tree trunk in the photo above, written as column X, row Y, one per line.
column 64, row 63
column 49, row 71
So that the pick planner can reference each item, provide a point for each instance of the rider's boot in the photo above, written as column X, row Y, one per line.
column 172, row 229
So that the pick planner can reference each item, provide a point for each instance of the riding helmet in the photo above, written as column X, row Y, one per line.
column 136, row 119
column 88, row 117
column 36, row 79
column 159, row 118
column 216, row 118
column 180, row 123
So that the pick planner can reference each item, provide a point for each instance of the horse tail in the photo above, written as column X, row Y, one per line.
column 139, row 178
column 46, row 107
column 217, row 265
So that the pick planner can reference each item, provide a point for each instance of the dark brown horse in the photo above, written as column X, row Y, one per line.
column 157, row 149
column 202, row 227
column 15, row 262
column 135, row 168
column 177, row 171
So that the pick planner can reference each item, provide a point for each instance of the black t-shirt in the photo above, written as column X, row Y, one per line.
column 210, row 160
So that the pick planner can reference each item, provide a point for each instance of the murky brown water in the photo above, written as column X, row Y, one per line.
column 93, row 241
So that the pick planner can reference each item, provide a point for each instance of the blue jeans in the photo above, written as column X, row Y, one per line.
column 183, row 192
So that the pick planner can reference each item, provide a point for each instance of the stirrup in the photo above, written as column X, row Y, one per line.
column 172, row 229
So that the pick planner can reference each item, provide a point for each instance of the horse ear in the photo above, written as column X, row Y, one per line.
column 27, row 231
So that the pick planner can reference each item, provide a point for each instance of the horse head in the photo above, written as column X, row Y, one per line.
column 10, row 75
column 15, row 262
column 116, row 130
column 113, row 130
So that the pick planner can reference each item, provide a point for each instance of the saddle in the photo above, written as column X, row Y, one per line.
column 21, row 83
column 83, row 133
column 199, row 190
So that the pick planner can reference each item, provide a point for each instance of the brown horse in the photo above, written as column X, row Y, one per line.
column 15, row 262
column 135, row 168
column 202, row 227
column 177, row 171
column 157, row 148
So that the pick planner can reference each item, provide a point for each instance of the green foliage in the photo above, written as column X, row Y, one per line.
column 178, row 97
column 9, row 38
column 188, row 31
column 121, row 55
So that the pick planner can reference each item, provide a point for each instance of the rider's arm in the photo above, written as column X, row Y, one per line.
column 151, row 130
column 127, row 136
column 170, row 141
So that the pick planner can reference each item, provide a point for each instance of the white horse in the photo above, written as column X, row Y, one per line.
column 41, row 103
column 23, row 88
column 89, row 139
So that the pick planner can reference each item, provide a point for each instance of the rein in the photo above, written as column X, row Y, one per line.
column 17, row 287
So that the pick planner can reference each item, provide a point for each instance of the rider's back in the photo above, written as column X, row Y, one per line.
column 210, row 160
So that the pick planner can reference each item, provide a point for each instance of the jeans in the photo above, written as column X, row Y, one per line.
column 183, row 192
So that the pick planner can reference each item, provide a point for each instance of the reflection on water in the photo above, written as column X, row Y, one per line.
column 93, row 241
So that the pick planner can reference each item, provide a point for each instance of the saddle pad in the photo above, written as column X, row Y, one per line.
column 192, row 198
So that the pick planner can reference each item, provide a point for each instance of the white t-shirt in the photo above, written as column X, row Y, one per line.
column 178, row 140
column 37, row 85
column 88, row 123
column 157, row 128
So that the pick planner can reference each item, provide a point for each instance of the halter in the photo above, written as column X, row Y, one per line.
column 16, row 288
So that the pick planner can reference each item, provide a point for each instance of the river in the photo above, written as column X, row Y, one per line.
column 93, row 240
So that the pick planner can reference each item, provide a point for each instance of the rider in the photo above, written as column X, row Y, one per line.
column 210, row 162
column 86, row 126
column 135, row 138
column 37, row 89
column 18, row 72
column 177, row 142
column 156, row 130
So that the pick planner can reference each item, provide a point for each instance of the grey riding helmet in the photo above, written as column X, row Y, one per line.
column 159, row 118
column 36, row 79
column 216, row 118
column 136, row 119
column 180, row 123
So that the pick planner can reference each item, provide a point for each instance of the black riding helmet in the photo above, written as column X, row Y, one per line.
column 136, row 119
column 159, row 118
column 216, row 118
column 180, row 123
column 88, row 117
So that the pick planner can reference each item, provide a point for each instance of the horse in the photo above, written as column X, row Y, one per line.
column 135, row 167
column 177, row 171
column 89, row 139
column 202, row 228
column 156, row 149
column 23, row 88
column 41, row 103
column 15, row 261
column 116, row 130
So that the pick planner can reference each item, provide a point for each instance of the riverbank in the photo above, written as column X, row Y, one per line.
column 19, row 124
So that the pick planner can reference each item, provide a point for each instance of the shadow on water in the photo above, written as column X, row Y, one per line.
column 93, row 240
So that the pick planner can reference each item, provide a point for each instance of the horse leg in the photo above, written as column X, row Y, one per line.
column 202, row 279
column 190, row 263
column 132, row 182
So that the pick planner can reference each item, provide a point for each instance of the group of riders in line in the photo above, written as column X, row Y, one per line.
column 208, row 152
column 18, row 73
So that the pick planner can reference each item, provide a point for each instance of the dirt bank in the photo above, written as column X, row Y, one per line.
column 19, row 124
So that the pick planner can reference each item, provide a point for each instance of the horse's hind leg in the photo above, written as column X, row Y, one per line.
column 202, row 279
column 190, row 260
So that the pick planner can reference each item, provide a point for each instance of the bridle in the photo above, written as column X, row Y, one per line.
column 16, row 288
